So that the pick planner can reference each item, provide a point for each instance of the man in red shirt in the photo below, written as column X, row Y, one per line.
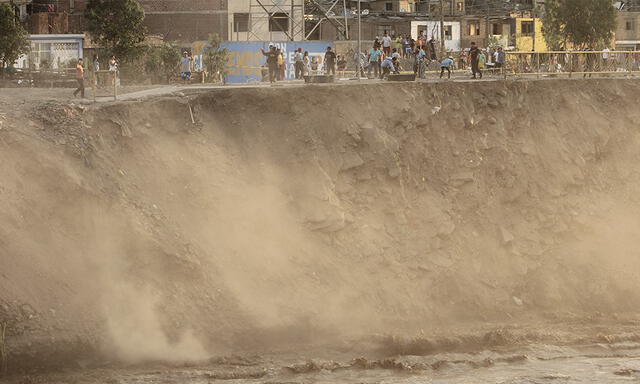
column 79, row 79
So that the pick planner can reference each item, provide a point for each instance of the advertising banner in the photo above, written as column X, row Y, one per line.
column 246, row 61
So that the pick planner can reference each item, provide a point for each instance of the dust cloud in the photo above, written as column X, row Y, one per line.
column 272, row 221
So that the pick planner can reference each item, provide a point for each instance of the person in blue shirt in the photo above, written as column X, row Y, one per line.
column 390, row 64
column 374, row 61
column 446, row 66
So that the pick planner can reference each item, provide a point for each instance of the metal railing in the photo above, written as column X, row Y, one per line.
column 570, row 63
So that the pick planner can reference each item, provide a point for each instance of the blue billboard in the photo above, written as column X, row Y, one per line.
column 246, row 60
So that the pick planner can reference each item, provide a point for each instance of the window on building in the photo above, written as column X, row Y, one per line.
column 527, row 28
column 496, row 29
column 473, row 29
column 279, row 22
column 240, row 22
column 460, row 6
column 388, row 6
column 448, row 32
column 629, row 25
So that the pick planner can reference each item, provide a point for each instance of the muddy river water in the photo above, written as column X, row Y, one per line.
column 537, row 363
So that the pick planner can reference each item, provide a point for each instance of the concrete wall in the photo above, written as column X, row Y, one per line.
column 628, row 30
column 481, row 37
column 525, row 42
column 246, row 60
column 183, row 21
column 433, row 30
column 186, row 20
column 371, row 27
column 259, row 20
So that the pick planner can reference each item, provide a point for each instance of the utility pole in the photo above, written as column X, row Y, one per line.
column 486, row 27
column 359, row 28
column 346, row 20
column 359, row 68
column 292, row 19
column 442, row 26
column 533, row 43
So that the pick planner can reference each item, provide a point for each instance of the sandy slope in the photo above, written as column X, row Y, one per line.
column 312, row 214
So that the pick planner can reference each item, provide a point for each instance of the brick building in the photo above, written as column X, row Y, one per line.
column 184, row 21
column 628, row 31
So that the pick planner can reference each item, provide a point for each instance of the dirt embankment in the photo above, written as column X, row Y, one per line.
column 299, row 215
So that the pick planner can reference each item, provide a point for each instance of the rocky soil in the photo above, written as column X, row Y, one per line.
column 183, row 227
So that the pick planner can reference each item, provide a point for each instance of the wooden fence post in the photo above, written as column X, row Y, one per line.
column 115, row 85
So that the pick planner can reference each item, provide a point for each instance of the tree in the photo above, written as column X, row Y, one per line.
column 13, row 37
column 584, row 23
column 117, row 25
column 552, row 27
column 163, row 61
column 216, row 59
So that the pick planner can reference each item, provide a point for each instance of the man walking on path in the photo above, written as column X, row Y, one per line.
column 272, row 62
column 330, row 62
column 79, row 79
column 446, row 66
column 474, row 55
column 298, row 64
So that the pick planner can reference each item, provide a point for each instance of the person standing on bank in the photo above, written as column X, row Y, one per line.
column 374, row 61
column 79, row 79
column 306, row 64
column 282, row 67
column 330, row 62
column 298, row 64
column 185, row 67
column 272, row 62
column 499, row 58
column 386, row 44
column 474, row 57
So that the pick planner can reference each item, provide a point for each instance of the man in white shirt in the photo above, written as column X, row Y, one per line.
column 605, row 59
column 185, row 67
column 386, row 44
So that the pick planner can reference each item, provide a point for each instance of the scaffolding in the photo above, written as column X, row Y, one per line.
column 279, row 16
column 297, row 19
column 335, row 12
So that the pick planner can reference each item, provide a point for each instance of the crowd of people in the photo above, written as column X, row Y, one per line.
column 422, row 53
column 387, row 55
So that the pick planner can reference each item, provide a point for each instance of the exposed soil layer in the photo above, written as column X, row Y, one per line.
column 184, row 227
